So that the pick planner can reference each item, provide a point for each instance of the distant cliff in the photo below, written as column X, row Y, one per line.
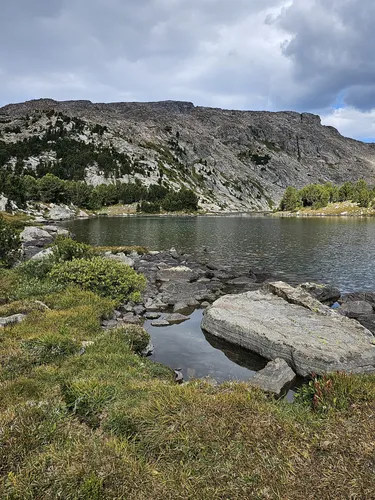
column 233, row 160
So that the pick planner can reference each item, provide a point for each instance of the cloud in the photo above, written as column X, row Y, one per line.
column 307, row 55
column 332, row 51
column 352, row 122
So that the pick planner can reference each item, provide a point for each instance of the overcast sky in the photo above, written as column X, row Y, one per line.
column 303, row 55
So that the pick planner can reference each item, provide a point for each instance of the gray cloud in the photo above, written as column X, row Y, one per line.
column 253, row 54
column 332, row 50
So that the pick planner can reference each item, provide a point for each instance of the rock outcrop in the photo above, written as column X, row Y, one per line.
column 310, row 338
column 234, row 160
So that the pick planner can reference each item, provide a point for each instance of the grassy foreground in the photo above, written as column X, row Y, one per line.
column 84, row 416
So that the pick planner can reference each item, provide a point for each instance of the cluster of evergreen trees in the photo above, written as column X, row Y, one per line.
column 52, row 189
column 320, row 195
column 73, row 155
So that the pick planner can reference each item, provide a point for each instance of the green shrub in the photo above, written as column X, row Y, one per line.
column 65, row 249
column 291, row 200
column 134, row 336
column 88, row 398
column 10, row 243
column 102, row 276
column 36, row 268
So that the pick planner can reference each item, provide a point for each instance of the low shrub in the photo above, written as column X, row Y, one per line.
column 336, row 391
column 104, row 277
column 50, row 348
column 36, row 268
column 66, row 249
column 10, row 243
column 134, row 336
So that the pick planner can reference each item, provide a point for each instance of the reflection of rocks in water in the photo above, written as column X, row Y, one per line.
column 241, row 357
column 191, row 372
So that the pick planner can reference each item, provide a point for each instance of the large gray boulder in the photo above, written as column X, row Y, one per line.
column 275, row 377
column 61, row 212
column 36, row 236
column 120, row 257
column 310, row 337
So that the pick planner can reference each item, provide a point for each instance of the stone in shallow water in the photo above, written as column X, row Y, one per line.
column 275, row 377
column 159, row 322
column 152, row 315
column 175, row 318
column 311, row 338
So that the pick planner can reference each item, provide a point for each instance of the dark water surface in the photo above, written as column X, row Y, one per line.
column 336, row 250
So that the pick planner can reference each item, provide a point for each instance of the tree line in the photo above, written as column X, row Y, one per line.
column 52, row 189
column 320, row 195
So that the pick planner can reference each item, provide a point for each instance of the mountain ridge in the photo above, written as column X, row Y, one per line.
column 234, row 160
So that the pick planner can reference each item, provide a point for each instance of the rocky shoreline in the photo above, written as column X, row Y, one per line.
column 178, row 284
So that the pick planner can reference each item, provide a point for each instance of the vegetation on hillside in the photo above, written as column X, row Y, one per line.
column 52, row 189
column 84, row 416
column 320, row 195
column 10, row 243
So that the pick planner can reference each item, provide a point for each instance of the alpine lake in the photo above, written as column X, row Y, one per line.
column 335, row 250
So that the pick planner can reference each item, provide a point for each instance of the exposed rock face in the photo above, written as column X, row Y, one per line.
column 275, row 377
column 61, row 212
column 3, row 203
column 234, row 160
column 310, row 340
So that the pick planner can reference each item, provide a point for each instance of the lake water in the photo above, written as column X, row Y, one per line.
column 333, row 250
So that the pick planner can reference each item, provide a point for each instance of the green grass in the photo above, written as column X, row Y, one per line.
column 83, row 416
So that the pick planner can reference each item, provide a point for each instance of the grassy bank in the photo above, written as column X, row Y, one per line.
column 84, row 416
column 344, row 209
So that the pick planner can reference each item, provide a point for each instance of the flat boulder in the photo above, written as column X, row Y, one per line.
column 175, row 318
column 275, row 377
column 280, row 322
column 178, row 273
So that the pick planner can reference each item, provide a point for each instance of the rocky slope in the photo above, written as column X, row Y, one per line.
column 234, row 160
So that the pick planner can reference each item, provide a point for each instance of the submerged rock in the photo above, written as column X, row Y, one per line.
column 174, row 319
column 326, row 294
column 356, row 308
column 310, row 337
column 275, row 377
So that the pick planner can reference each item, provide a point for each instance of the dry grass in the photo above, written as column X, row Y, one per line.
column 345, row 208
column 121, row 249
column 105, row 423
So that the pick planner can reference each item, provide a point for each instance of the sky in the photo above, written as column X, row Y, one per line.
column 305, row 55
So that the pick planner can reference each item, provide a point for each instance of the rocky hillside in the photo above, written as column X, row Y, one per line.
column 234, row 160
